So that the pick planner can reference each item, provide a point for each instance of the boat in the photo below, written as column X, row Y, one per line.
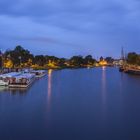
column 5, row 78
column 27, row 70
column 132, row 71
column 21, row 81
column 121, row 69
column 39, row 73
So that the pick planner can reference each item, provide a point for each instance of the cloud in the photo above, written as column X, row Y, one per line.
column 79, row 25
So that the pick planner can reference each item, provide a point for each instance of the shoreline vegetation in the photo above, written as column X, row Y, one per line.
column 131, row 64
column 22, row 58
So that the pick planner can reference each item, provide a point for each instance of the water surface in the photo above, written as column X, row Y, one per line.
column 81, row 104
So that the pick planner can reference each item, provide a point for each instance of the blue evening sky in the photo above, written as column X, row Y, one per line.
column 71, row 27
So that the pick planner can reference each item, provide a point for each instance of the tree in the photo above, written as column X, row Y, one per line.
column 109, row 59
column 77, row 61
column 8, row 63
column 18, row 55
column 89, row 60
column 39, row 60
column 133, row 58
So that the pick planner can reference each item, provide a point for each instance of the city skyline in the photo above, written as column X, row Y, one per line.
column 64, row 28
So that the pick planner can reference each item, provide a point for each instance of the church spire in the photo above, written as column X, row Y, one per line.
column 122, row 54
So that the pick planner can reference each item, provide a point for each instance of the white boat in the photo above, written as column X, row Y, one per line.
column 39, row 73
column 27, row 70
column 21, row 81
column 4, row 78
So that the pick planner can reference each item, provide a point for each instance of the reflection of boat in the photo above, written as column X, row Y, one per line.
column 4, row 78
column 21, row 81
column 3, row 88
column 121, row 69
column 39, row 73
column 21, row 91
column 130, row 69
column 4, row 82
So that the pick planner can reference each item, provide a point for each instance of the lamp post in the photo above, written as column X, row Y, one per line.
column 20, row 60
column 9, row 57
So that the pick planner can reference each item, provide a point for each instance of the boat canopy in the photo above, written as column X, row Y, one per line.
column 39, row 71
column 27, row 70
column 11, row 74
column 25, row 75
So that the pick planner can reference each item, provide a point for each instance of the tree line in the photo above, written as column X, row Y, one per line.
column 133, row 58
column 20, row 57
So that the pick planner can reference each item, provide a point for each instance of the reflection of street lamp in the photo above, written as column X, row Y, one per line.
column 49, row 86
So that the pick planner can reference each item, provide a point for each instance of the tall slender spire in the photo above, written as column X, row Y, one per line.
column 122, row 54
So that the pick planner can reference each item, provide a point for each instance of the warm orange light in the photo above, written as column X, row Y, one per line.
column 49, row 72
column 103, row 63
column 104, row 85
column 104, row 68
column 49, row 86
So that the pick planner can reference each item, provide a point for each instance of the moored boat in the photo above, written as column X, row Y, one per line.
column 39, row 73
column 21, row 81
column 121, row 69
column 132, row 71
column 5, row 78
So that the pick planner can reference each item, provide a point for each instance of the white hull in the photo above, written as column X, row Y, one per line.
column 2, row 83
column 21, row 85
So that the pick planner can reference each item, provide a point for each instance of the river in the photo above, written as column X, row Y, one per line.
column 80, row 104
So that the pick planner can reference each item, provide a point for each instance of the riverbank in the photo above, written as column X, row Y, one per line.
column 17, row 69
column 131, row 69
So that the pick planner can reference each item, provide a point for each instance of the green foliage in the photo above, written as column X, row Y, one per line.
column 18, row 55
column 39, row 60
column 133, row 58
column 89, row 60
column 76, row 61
column 21, row 57
column 109, row 59
column 79, row 61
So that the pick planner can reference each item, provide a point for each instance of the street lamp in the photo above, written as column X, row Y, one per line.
column 20, row 60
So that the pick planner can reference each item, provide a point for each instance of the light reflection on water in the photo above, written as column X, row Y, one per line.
column 104, row 85
column 13, row 91
column 77, row 104
column 49, row 87
column 104, row 94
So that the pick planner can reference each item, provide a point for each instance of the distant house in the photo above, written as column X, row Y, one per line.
column 118, row 62
column 103, row 62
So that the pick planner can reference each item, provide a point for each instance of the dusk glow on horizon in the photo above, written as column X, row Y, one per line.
column 65, row 28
